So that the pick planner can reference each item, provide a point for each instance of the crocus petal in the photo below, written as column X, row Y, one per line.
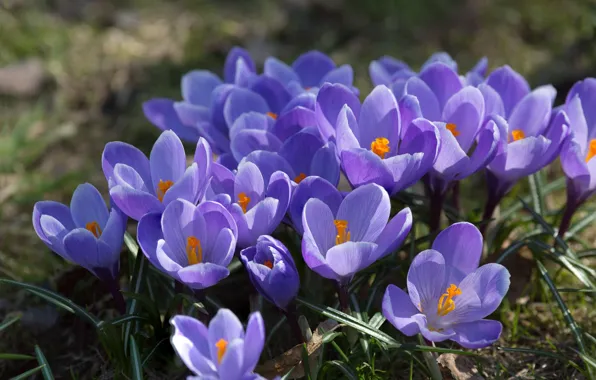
column 202, row 275
column 81, row 246
column 452, row 160
column 364, row 167
column 244, row 75
column 280, row 188
column 112, row 236
column 348, row 258
column 486, row 148
column 135, row 203
column 249, row 121
column 311, row 67
column 274, row 92
column 190, row 187
column 277, row 69
column 225, row 325
column 441, row 57
column 490, row 282
column 241, row 100
column 429, row 104
column 461, row 246
column 268, row 163
column 578, row 123
column 293, row 121
column 399, row 309
column 379, row 74
column 177, row 224
column 532, row 113
column 477, row 334
column 249, row 140
column 394, row 233
column 249, row 181
column 167, row 159
column 52, row 221
column 325, row 163
column 432, row 335
column 190, row 342
column 254, row 341
column 88, row 206
column 586, row 90
column 218, row 140
column 426, row 278
column 117, row 152
column 379, row 117
column 148, row 234
column 330, row 100
column 260, row 220
column 305, row 100
column 197, row 86
column 409, row 110
column 442, row 80
column 523, row 158
column 231, row 363
column 574, row 163
column 190, row 114
column 347, row 130
column 493, row 104
column 319, row 231
column 299, row 150
column 510, row 85
column 203, row 158
column 161, row 113
column 230, row 64
column 465, row 109
column 312, row 187
column 343, row 74
column 366, row 210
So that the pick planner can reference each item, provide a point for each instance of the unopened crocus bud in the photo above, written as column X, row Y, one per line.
column 272, row 270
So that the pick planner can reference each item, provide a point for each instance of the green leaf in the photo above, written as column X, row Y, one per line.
column 27, row 374
column 131, row 244
column 329, row 336
column 123, row 319
column 536, row 193
column 287, row 375
column 46, row 371
column 135, row 360
column 579, row 226
column 136, row 282
column 56, row 299
column 306, row 362
column 9, row 321
column 343, row 368
column 153, row 351
column 15, row 357
column 555, row 185
column 377, row 320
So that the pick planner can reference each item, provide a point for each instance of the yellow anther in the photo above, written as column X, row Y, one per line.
column 94, row 228
column 591, row 150
column 517, row 134
column 453, row 129
column 243, row 201
column 343, row 235
column 446, row 304
column 268, row 264
column 272, row 115
column 380, row 146
column 162, row 188
column 299, row 177
column 222, row 346
column 194, row 251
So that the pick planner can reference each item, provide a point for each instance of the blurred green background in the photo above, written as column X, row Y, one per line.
column 74, row 73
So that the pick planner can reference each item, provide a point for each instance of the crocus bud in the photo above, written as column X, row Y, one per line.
column 272, row 270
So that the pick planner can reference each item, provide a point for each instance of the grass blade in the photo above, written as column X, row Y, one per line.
column 135, row 360
column 536, row 193
column 137, row 279
column 46, row 371
column 27, row 374
column 15, row 357
column 9, row 321
column 56, row 299
column 343, row 368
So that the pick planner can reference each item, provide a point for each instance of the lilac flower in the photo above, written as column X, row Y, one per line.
column 140, row 185
column 337, row 245
column 222, row 351
column 86, row 233
column 309, row 72
column 531, row 135
column 312, row 187
column 192, row 244
column 467, row 143
column 578, row 151
column 257, row 198
column 370, row 141
column 272, row 271
column 448, row 295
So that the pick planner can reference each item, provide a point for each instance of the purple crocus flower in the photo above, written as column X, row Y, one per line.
column 579, row 150
column 222, row 351
column 448, row 294
column 370, row 141
column 257, row 198
column 86, row 233
column 140, row 185
column 192, row 244
column 337, row 245
column 309, row 72
column 272, row 270
column 531, row 135
column 312, row 187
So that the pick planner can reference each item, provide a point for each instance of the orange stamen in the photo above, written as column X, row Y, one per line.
column 380, row 146
column 517, row 134
column 272, row 115
column 243, row 201
column 194, row 251
column 94, row 228
column 162, row 188
column 268, row 264
column 221, row 345
column 446, row 304
column 299, row 177
column 591, row 150
column 343, row 235
column 453, row 129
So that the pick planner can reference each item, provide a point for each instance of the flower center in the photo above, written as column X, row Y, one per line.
column 299, row 177
column 446, row 304
column 162, row 188
column 453, row 129
column 243, row 201
column 94, row 228
column 194, row 251
column 591, row 150
column 343, row 235
column 380, row 146
column 221, row 345
column 268, row 264
column 272, row 115
column 517, row 134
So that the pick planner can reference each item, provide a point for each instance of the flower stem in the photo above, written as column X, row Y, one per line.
column 290, row 314
column 436, row 209
column 566, row 220
column 489, row 210
column 455, row 197
column 114, row 288
column 344, row 297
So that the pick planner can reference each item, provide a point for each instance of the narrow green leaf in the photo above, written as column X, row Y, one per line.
column 513, row 248
column 27, row 374
column 581, row 225
column 9, row 321
column 287, row 375
column 329, row 336
column 153, row 350
column 557, row 184
column 306, row 362
column 377, row 321
column 536, row 194
column 15, row 357
column 586, row 358
column 135, row 360
column 56, row 299
column 46, row 371
column 131, row 244
column 566, row 313
column 124, row 319
column 136, row 282
column 347, row 371
column 531, row 351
